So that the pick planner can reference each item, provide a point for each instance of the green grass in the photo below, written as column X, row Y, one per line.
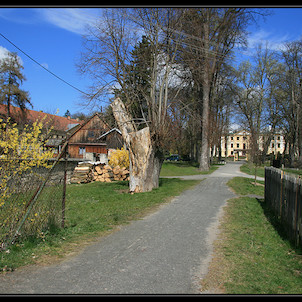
column 249, row 168
column 255, row 257
column 183, row 168
column 91, row 211
column 296, row 172
column 245, row 186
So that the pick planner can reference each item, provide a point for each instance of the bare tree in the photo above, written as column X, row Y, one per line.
column 107, row 58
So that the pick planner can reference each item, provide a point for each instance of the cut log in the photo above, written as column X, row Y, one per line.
column 98, row 169
column 107, row 167
column 116, row 170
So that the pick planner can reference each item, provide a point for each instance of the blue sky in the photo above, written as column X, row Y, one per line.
column 53, row 37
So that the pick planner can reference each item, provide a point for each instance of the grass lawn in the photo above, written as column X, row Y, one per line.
column 92, row 210
column 245, row 186
column 296, row 172
column 250, row 255
column 183, row 168
column 249, row 168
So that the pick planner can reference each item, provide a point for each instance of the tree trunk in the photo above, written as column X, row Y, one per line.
column 204, row 152
column 145, row 160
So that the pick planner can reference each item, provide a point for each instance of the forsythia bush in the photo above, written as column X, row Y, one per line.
column 19, row 152
column 119, row 158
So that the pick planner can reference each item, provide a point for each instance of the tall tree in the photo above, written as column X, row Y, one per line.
column 292, row 58
column 11, row 78
column 137, row 81
column 211, row 34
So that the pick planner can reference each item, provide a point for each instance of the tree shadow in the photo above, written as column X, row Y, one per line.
column 276, row 223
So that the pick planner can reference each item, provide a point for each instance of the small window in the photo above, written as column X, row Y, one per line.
column 82, row 150
column 237, row 145
column 232, row 138
column 231, row 145
column 237, row 138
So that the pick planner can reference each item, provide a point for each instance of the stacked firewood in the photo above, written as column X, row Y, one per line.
column 106, row 173
column 82, row 173
column 87, row 172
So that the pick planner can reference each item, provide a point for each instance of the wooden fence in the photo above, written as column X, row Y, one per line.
column 283, row 194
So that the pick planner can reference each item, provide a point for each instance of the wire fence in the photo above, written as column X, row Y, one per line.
column 34, row 200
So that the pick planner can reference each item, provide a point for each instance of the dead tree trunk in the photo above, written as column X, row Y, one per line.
column 145, row 161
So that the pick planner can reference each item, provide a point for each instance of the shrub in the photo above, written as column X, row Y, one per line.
column 119, row 158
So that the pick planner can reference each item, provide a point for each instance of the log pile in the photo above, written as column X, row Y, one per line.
column 82, row 173
column 106, row 173
column 87, row 172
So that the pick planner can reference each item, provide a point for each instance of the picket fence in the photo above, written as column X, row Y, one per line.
column 283, row 194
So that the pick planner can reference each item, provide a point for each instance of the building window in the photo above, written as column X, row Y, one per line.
column 237, row 138
column 278, row 145
column 232, row 138
column 244, row 146
column 231, row 145
column 82, row 150
column 237, row 145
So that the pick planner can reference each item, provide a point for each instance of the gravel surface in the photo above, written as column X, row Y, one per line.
column 166, row 252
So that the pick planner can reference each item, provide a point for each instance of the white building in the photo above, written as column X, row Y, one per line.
column 239, row 143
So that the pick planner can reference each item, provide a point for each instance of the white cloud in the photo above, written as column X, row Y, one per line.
column 275, row 41
column 19, row 15
column 72, row 19
column 4, row 54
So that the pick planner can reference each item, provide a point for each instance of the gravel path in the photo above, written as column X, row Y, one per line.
column 166, row 252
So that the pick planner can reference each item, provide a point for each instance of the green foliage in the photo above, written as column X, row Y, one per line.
column 137, row 80
column 11, row 78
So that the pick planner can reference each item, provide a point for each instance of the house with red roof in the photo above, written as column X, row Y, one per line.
column 87, row 140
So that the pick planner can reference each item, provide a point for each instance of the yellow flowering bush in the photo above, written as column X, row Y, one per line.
column 119, row 158
column 20, row 150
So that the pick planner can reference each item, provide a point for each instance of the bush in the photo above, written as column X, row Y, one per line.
column 119, row 158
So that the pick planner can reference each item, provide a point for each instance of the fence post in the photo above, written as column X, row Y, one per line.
column 281, row 192
column 64, row 189
column 296, row 212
